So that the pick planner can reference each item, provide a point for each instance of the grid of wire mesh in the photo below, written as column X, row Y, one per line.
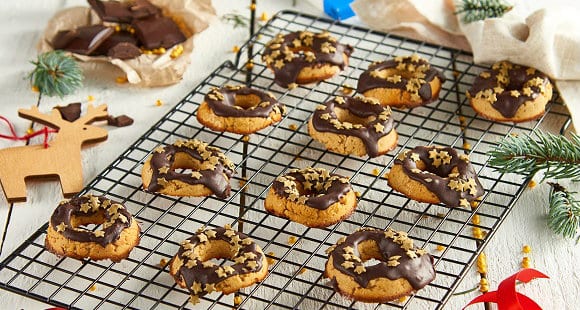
column 296, row 253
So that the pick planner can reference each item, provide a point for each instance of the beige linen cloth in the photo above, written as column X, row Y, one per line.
column 540, row 33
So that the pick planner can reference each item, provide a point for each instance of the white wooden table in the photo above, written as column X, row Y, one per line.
column 21, row 24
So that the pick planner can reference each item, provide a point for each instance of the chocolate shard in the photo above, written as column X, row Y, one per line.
column 155, row 32
column 70, row 112
column 119, row 121
column 124, row 50
column 116, row 38
column 112, row 11
column 143, row 9
column 82, row 40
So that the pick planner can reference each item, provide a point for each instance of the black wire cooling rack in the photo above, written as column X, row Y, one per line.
column 296, row 253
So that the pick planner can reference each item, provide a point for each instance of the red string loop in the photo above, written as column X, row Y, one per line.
column 13, row 136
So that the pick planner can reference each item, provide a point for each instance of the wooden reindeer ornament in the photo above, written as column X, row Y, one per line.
column 62, row 157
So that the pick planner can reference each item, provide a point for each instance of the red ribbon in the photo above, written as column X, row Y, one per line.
column 44, row 131
column 506, row 296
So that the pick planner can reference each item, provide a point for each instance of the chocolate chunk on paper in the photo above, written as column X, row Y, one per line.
column 149, row 70
column 119, row 121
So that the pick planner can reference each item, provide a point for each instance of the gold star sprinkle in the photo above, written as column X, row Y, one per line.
column 347, row 264
column 415, row 157
column 252, row 264
column 379, row 127
column 194, row 299
column 196, row 287
column 210, row 287
column 530, row 71
column 360, row 269
column 339, row 100
column 210, row 233
column 99, row 233
column 61, row 227
column 279, row 64
column 85, row 207
column 221, row 273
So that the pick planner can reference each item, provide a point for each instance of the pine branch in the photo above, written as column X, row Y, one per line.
column 556, row 155
column 56, row 74
column 481, row 9
column 564, row 212
column 237, row 20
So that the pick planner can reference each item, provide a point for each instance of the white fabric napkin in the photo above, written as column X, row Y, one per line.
column 542, row 34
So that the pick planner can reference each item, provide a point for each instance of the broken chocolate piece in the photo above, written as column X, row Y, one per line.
column 83, row 40
column 144, row 9
column 155, row 32
column 119, row 121
column 124, row 50
column 116, row 38
column 112, row 11
column 70, row 112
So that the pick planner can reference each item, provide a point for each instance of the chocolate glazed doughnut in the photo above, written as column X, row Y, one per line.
column 312, row 197
column 239, row 109
column 358, row 125
column 210, row 170
column 510, row 93
column 405, row 81
column 434, row 175
column 401, row 270
column 118, row 235
column 304, row 57
column 193, row 269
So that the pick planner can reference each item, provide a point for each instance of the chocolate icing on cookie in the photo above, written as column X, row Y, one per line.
column 508, row 86
column 413, row 74
column 200, row 276
column 116, row 217
column 315, row 187
column 450, row 176
column 222, row 101
column 399, row 258
column 379, row 124
column 288, row 54
column 216, row 174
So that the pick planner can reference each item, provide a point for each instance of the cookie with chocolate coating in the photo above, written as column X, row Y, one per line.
column 401, row 269
column 405, row 82
column 208, row 170
column 117, row 236
column 312, row 197
column 435, row 174
column 239, row 109
column 510, row 93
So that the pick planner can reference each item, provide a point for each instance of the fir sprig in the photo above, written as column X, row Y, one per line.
column 237, row 20
column 555, row 154
column 564, row 212
column 559, row 158
column 56, row 74
column 481, row 9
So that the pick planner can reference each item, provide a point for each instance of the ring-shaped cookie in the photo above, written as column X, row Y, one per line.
column 312, row 197
column 117, row 235
column 193, row 269
column 400, row 270
column 208, row 170
column 239, row 109
column 405, row 81
column 435, row 174
column 510, row 93
column 354, row 125
column 304, row 57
